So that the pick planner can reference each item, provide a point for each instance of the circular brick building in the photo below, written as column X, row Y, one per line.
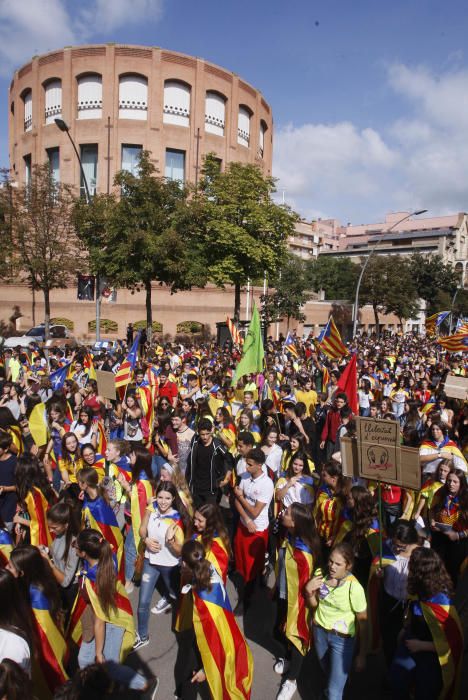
column 118, row 99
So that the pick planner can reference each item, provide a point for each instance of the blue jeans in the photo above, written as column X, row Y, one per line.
column 335, row 655
column 149, row 579
column 56, row 479
column 398, row 409
column 420, row 672
column 364, row 412
column 130, row 555
column 126, row 675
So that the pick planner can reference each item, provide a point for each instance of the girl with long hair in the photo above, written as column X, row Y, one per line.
column 97, row 513
column 227, row 668
column 428, row 660
column 34, row 494
column 64, row 525
column 273, row 451
column 448, row 519
column 15, row 683
column 329, row 503
column 430, row 488
column 296, row 443
column 340, row 612
column 132, row 416
column 162, row 532
column 40, row 590
column 102, row 617
column 296, row 485
column 71, row 392
column 70, row 461
column 58, row 425
column 225, row 429
column 361, row 529
column 246, row 423
column 209, row 529
column 139, row 494
column 16, row 630
column 296, row 562
column 85, row 427
column 437, row 446
column 9, row 423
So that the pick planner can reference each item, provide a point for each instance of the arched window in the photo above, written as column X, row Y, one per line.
column 53, row 100
column 215, row 113
column 133, row 97
column 27, row 100
column 90, row 96
column 243, row 125
column 176, row 108
column 261, row 138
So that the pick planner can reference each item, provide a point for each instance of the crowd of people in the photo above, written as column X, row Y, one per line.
column 114, row 509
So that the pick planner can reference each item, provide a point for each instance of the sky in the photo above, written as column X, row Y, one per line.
column 369, row 98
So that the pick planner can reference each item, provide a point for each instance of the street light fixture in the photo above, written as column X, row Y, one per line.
column 63, row 126
column 358, row 287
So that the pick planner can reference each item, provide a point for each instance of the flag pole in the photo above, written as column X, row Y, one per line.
column 379, row 491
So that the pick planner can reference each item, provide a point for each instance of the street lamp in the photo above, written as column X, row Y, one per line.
column 363, row 269
column 63, row 126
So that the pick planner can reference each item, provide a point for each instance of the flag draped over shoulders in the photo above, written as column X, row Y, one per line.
column 52, row 656
column 299, row 565
column 37, row 507
column 226, row 656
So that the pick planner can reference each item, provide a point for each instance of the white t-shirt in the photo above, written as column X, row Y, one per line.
column 14, row 647
column 157, row 529
column 79, row 430
column 298, row 494
column 273, row 459
column 241, row 469
column 259, row 489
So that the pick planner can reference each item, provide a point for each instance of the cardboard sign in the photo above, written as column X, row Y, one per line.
column 379, row 449
column 410, row 468
column 349, row 457
column 456, row 387
column 106, row 384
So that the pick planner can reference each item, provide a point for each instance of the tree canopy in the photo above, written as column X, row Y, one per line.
column 290, row 284
column 337, row 276
column 431, row 275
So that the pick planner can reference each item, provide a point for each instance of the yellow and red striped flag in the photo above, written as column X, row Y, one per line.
column 234, row 331
column 330, row 341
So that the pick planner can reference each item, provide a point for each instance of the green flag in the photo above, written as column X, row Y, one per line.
column 252, row 351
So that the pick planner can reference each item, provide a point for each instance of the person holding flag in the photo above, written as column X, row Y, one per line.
column 123, row 375
column 253, row 354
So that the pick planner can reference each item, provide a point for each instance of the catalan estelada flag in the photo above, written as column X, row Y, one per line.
column 37, row 507
column 6, row 545
column 98, row 515
column 123, row 375
column 433, row 322
column 140, row 496
column 226, row 656
column 120, row 616
column 444, row 625
column 299, row 566
column 88, row 365
column 330, row 341
column 122, row 466
column 325, row 378
column 52, row 649
column 290, row 345
column 100, row 465
column 101, row 438
column 455, row 343
column 145, row 396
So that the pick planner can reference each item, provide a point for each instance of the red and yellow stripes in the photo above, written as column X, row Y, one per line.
column 37, row 507
column 140, row 496
column 226, row 657
column 299, row 565
column 6, row 545
column 52, row 650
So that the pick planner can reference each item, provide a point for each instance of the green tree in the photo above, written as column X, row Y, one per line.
column 242, row 233
column 46, row 251
column 337, row 276
column 431, row 275
column 290, row 284
column 136, row 238
column 388, row 287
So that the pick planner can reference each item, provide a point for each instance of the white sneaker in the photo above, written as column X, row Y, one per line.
column 129, row 587
column 287, row 690
column 161, row 606
column 139, row 642
column 281, row 666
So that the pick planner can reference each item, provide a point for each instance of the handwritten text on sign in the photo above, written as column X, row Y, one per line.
column 379, row 442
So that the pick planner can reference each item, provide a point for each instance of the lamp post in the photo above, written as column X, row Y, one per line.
column 366, row 262
column 63, row 126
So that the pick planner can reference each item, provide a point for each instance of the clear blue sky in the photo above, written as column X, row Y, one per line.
column 370, row 99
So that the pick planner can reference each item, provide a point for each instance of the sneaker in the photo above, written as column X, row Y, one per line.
column 129, row 587
column 152, row 689
column 161, row 606
column 281, row 666
column 287, row 690
column 139, row 642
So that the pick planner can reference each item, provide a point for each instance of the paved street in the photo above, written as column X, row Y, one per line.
column 160, row 655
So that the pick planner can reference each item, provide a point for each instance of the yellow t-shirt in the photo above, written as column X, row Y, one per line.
column 338, row 606
column 310, row 399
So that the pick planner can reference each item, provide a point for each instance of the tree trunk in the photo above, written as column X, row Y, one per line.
column 237, row 303
column 46, row 291
column 376, row 317
column 149, row 311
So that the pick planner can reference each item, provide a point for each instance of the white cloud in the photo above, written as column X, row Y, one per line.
column 359, row 174
column 29, row 27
